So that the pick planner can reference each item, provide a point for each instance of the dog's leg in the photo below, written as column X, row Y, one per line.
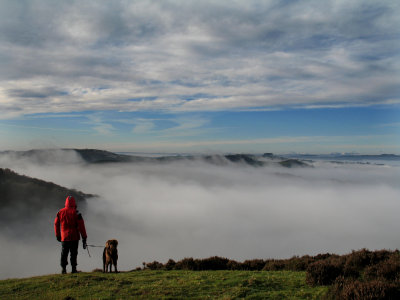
column 115, row 267
column 104, row 260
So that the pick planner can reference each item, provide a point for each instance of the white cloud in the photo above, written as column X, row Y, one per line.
column 244, row 55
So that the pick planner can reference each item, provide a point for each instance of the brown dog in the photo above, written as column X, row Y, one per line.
column 110, row 256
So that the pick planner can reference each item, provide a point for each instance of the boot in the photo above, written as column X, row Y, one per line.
column 74, row 269
column 64, row 270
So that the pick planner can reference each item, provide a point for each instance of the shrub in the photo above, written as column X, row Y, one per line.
column 388, row 269
column 322, row 256
column 321, row 269
column 322, row 272
column 299, row 263
column 274, row 265
column 212, row 263
column 382, row 255
column 233, row 265
column 336, row 288
column 253, row 265
column 155, row 265
column 370, row 290
column 359, row 260
column 186, row 264
column 170, row 265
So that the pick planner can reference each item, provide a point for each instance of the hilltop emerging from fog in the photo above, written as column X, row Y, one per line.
column 95, row 156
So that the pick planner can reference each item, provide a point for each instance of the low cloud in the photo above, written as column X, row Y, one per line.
column 194, row 209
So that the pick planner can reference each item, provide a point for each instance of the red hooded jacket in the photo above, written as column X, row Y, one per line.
column 70, row 221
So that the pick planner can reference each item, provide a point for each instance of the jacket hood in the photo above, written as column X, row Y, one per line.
column 70, row 202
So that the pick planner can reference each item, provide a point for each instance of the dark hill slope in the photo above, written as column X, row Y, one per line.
column 292, row 163
column 67, row 156
column 23, row 197
column 101, row 156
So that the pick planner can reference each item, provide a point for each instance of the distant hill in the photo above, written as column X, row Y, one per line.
column 95, row 156
column 292, row 163
column 67, row 156
column 345, row 157
column 101, row 156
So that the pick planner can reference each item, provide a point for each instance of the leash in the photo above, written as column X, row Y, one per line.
column 87, row 247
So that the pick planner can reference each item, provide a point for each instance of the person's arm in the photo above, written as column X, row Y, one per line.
column 57, row 230
column 82, row 229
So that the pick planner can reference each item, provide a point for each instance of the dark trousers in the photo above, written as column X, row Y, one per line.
column 67, row 247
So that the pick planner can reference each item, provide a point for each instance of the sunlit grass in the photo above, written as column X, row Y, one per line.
column 164, row 285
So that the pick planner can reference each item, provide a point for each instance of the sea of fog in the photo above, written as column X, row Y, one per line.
column 196, row 209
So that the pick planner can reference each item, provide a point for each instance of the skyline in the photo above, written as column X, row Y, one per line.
column 214, row 76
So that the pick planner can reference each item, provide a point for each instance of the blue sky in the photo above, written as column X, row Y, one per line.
column 201, row 76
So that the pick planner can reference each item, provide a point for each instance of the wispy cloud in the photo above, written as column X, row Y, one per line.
column 143, row 126
column 396, row 124
column 99, row 125
column 45, row 128
column 221, row 142
column 186, row 127
column 177, row 126
column 196, row 56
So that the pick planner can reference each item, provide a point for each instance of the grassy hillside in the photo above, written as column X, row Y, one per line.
column 175, row 284
column 19, row 190
column 20, row 195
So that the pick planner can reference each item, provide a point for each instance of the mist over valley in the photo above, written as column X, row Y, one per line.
column 159, row 207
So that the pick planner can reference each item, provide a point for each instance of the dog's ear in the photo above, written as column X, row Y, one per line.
column 108, row 244
column 116, row 243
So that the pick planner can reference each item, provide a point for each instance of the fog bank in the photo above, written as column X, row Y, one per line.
column 194, row 209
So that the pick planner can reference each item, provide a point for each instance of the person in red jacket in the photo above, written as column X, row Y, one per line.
column 68, row 227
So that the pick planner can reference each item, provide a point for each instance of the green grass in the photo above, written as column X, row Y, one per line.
column 164, row 285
